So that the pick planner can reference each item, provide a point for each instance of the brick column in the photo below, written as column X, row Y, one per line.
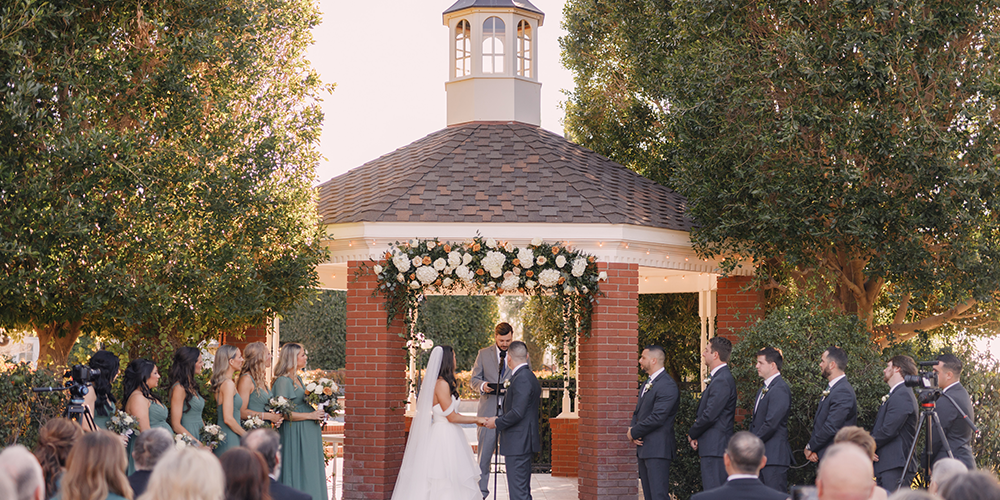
column 608, row 368
column 738, row 307
column 565, row 449
column 250, row 335
column 375, row 395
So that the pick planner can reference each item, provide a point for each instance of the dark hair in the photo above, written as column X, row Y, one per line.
column 267, row 442
column 745, row 452
column 447, row 371
column 503, row 329
column 108, row 364
column 182, row 372
column 905, row 364
column 837, row 355
column 951, row 363
column 135, row 379
column 657, row 351
column 246, row 475
column 55, row 440
column 973, row 485
column 772, row 355
column 721, row 346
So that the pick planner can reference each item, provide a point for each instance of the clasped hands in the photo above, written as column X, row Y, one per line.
column 488, row 422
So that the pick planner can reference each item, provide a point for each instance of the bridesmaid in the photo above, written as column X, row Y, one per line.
column 186, row 403
column 227, row 360
column 100, row 400
column 140, row 377
column 252, row 385
column 302, row 465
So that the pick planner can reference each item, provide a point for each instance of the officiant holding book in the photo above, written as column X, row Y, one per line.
column 488, row 374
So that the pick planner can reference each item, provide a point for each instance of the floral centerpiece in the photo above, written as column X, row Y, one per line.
column 253, row 422
column 211, row 435
column 322, row 394
column 123, row 424
column 281, row 406
column 183, row 440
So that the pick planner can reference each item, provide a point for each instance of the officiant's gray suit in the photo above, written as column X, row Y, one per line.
column 486, row 370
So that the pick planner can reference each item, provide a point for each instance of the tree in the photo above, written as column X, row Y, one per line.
column 465, row 322
column 319, row 322
column 156, row 164
column 853, row 142
column 671, row 321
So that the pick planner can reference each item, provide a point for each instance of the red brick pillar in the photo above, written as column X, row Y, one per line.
column 738, row 306
column 375, row 395
column 607, row 389
column 250, row 335
column 565, row 451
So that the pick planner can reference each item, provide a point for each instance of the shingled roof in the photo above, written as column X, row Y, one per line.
column 469, row 4
column 498, row 173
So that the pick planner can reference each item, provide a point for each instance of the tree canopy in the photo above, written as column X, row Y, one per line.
column 853, row 142
column 156, row 162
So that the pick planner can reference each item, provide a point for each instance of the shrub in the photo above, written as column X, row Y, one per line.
column 22, row 412
column 319, row 322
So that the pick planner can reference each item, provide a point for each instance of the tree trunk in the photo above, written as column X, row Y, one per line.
column 55, row 340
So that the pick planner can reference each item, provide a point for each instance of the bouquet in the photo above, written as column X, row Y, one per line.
column 253, row 422
column 322, row 394
column 211, row 435
column 123, row 424
column 183, row 440
column 281, row 406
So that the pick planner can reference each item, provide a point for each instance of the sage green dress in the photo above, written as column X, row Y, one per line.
column 158, row 417
column 232, row 438
column 258, row 398
column 302, row 465
column 191, row 419
column 102, row 421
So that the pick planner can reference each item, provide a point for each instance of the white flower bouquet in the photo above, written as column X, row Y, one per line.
column 211, row 435
column 253, row 422
column 123, row 424
column 322, row 394
column 183, row 441
column 281, row 406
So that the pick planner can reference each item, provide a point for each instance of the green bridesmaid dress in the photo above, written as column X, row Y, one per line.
column 232, row 438
column 258, row 398
column 158, row 416
column 302, row 465
column 191, row 419
column 102, row 421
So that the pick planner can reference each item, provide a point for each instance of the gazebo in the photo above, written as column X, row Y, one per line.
column 493, row 171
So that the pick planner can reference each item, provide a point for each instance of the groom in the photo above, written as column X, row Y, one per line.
column 518, row 427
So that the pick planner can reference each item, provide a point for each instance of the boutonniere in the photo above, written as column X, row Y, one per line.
column 764, row 391
column 885, row 398
column 506, row 384
column 708, row 380
column 649, row 383
column 825, row 394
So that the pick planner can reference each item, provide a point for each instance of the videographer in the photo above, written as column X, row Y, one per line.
column 954, row 410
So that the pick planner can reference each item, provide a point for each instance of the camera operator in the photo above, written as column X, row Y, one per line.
column 952, row 409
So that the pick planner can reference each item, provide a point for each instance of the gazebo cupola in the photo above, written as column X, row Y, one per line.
column 493, row 62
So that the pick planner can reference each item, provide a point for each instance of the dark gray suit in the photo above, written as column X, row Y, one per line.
column 837, row 410
column 742, row 489
column 714, row 426
column 958, row 433
column 894, row 431
column 770, row 424
column 653, row 423
column 518, row 426
column 282, row 492
column 485, row 370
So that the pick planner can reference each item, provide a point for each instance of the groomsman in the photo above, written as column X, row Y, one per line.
column 652, row 427
column 716, row 413
column 952, row 408
column 488, row 372
column 770, row 419
column 838, row 406
column 896, row 426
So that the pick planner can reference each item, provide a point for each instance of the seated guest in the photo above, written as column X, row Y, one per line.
column 55, row 440
column 743, row 458
column 149, row 447
column 268, row 444
column 943, row 470
column 246, row 474
column 908, row 494
column 974, row 485
column 95, row 469
column 189, row 474
column 22, row 468
column 7, row 487
column 845, row 473
column 860, row 437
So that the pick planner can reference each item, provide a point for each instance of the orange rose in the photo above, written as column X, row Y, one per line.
column 516, row 262
column 590, row 259
column 328, row 391
column 480, row 271
column 529, row 273
column 447, row 248
column 475, row 247
column 413, row 276
column 427, row 260
column 561, row 280
column 555, row 250
column 388, row 256
column 437, row 283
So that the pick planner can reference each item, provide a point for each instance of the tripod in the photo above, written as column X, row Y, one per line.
column 75, row 410
column 496, row 442
column 928, row 417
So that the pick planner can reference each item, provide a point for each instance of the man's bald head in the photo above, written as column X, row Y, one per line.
column 24, row 471
column 845, row 473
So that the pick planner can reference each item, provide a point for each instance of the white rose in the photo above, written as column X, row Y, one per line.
column 508, row 247
column 319, row 391
column 414, row 284
column 431, row 245
column 378, row 269
column 427, row 344
column 516, row 271
column 510, row 283
column 584, row 289
column 282, row 400
column 466, row 259
column 335, row 387
column 417, row 261
column 491, row 243
column 454, row 259
column 402, row 262
column 427, row 274
column 529, row 284
column 400, row 278
column 579, row 266
column 560, row 261
column 463, row 272
column 526, row 256
column 440, row 264
column 325, row 381
column 548, row 277
column 603, row 276
column 541, row 260
column 536, row 241
column 448, row 282
column 310, row 387
column 496, row 273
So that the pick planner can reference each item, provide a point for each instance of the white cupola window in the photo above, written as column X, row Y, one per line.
column 524, row 49
column 463, row 49
column 494, row 34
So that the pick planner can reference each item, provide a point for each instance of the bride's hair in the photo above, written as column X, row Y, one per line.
column 447, row 371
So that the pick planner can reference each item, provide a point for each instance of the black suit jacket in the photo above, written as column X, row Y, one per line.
column 770, row 421
column 519, row 424
column 282, row 492
column 716, row 413
column 138, row 481
column 653, row 418
column 742, row 489
column 837, row 410
column 895, row 429
column 958, row 433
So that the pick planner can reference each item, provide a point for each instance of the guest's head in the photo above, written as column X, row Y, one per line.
column 187, row 363
column 652, row 359
column 150, row 446
column 908, row 494
column 55, row 440
column 140, row 375
column 96, row 467
column 108, row 364
column 256, row 359
column 24, row 471
column 717, row 351
column 268, row 443
column 186, row 474
column 228, row 359
column 845, row 473
column 291, row 358
column 858, row 436
column 973, row 485
column 769, row 361
column 949, row 370
column 7, row 487
column 503, row 334
column 517, row 353
column 943, row 470
column 246, row 475
column 744, row 454
column 833, row 363
column 898, row 367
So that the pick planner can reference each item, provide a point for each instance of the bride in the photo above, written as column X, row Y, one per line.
column 438, row 462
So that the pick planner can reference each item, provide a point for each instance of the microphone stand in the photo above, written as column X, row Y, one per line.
column 496, row 441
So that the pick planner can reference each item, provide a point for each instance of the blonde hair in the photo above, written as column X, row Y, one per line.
column 288, row 361
column 95, row 467
column 254, row 355
column 223, row 356
column 186, row 474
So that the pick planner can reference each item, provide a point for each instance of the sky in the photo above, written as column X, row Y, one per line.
column 389, row 61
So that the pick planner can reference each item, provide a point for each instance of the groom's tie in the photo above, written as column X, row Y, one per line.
column 503, row 364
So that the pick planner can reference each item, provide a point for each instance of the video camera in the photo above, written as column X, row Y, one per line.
column 927, row 381
column 80, row 377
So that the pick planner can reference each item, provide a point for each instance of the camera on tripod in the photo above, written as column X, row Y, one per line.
column 80, row 377
column 926, row 381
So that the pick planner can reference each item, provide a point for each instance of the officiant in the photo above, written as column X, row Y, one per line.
column 488, row 374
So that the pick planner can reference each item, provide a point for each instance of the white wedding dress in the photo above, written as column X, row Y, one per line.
column 438, row 463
